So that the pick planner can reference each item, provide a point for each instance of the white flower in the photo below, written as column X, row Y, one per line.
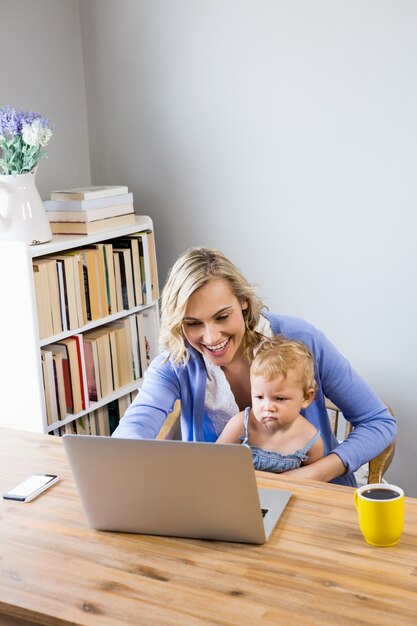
column 35, row 134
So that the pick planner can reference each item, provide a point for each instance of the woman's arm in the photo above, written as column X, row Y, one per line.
column 374, row 427
column 325, row 469
column 233, row 430
column 155, row 400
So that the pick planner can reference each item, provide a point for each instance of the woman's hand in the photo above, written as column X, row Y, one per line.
column 324, row 469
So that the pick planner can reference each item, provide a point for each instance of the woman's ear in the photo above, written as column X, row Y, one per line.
column 308, row 398
column 244, row 305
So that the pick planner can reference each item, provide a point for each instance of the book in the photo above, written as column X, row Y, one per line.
column 126, row 272
column 134, row 342
column 123, row 351
column 103, row 428
column 40, row 279
column 63, row 301
column 101, row 267
column 90, row 215
column 52, row 295
column 152, row 261
column 77, row 206
column 145, row 268
column 144, row 357
column 110, row 277
column 81, row 426
column 92, row 369
column 118, row 281
column 70, row 278
column 74, row 258
column 124, row 403
column 148, row 265
column 49, row 387
column 131, row 243
column 81, row 364
column 61, row 351
column 92, row 283
column 88, row 228
column 147, row 323
column 88, row 193
column 101, row 335
column 114, row 415
column 70, row 352
column 92, row 422
column 114, row 358
column 57, row 358
column 107, row 278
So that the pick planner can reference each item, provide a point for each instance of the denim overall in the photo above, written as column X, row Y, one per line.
column 271, row 461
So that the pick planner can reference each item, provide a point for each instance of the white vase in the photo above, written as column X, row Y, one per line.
column 22, row 214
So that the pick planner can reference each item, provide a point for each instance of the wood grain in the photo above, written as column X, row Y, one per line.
column 316, row 568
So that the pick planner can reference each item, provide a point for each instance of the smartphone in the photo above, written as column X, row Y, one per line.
column 31, row 487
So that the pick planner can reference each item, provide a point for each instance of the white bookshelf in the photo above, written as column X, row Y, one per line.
column 21, row 385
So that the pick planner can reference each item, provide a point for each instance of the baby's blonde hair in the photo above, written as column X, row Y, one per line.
column 194, row 269
column 276, row 357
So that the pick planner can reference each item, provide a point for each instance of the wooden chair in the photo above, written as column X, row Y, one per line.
column 171, row 427
column 341, row 428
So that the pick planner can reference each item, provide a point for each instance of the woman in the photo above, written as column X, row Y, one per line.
column 211, row 323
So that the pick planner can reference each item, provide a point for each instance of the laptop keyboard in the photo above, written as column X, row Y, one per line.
column 264, row 512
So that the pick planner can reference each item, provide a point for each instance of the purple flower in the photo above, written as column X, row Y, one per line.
column 23, row 136
column 13, row 120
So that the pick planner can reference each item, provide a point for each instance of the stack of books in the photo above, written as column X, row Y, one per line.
column 87, row 210
column 87, row 367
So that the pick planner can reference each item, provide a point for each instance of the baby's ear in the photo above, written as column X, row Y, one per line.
column 308, row 398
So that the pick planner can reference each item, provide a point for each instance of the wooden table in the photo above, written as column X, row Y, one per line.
column 316, row 568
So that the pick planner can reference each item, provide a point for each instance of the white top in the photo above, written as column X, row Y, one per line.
column 219, row 400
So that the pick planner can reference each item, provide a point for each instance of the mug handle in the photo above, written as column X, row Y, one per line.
column 356, row 498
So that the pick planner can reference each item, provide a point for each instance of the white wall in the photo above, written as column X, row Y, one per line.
column 285, row 133
column 42, row 70
column 282, row 131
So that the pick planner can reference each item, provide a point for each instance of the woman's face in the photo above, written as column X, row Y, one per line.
column 213, row 322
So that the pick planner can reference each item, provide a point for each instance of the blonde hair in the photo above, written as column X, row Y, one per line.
column 276, row 357
column 194, row 269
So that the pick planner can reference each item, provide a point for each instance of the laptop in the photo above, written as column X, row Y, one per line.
column 172, row 488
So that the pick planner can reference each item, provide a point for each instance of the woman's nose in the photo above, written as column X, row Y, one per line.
column 211, row 335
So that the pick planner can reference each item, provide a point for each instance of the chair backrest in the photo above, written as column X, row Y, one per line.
column 171, row 428
column 341, row 428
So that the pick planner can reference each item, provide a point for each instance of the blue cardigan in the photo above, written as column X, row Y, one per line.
column 164, row 383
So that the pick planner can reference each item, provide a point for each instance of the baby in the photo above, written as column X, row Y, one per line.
column 282, row 383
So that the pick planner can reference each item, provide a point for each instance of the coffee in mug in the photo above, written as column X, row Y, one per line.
column 381, row 513
column 380, row 494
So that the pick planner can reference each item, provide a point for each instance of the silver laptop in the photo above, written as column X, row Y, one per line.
column 173, row 488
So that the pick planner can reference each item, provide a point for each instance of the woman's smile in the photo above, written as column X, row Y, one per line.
column 217, row 350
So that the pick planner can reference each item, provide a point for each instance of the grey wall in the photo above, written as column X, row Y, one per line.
column 282, row 131
column 42, row 70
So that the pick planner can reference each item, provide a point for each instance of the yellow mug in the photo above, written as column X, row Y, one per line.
column 381, row 513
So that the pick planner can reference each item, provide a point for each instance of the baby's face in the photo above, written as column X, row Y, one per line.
column 277, row 402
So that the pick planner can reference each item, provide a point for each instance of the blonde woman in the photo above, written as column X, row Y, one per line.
column 211, row 323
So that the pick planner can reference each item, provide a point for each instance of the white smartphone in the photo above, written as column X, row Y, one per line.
column 31, row 487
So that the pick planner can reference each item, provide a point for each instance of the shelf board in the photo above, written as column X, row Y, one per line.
column 67, row 242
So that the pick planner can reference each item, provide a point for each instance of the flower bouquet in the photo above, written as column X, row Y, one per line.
column 23, row 136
